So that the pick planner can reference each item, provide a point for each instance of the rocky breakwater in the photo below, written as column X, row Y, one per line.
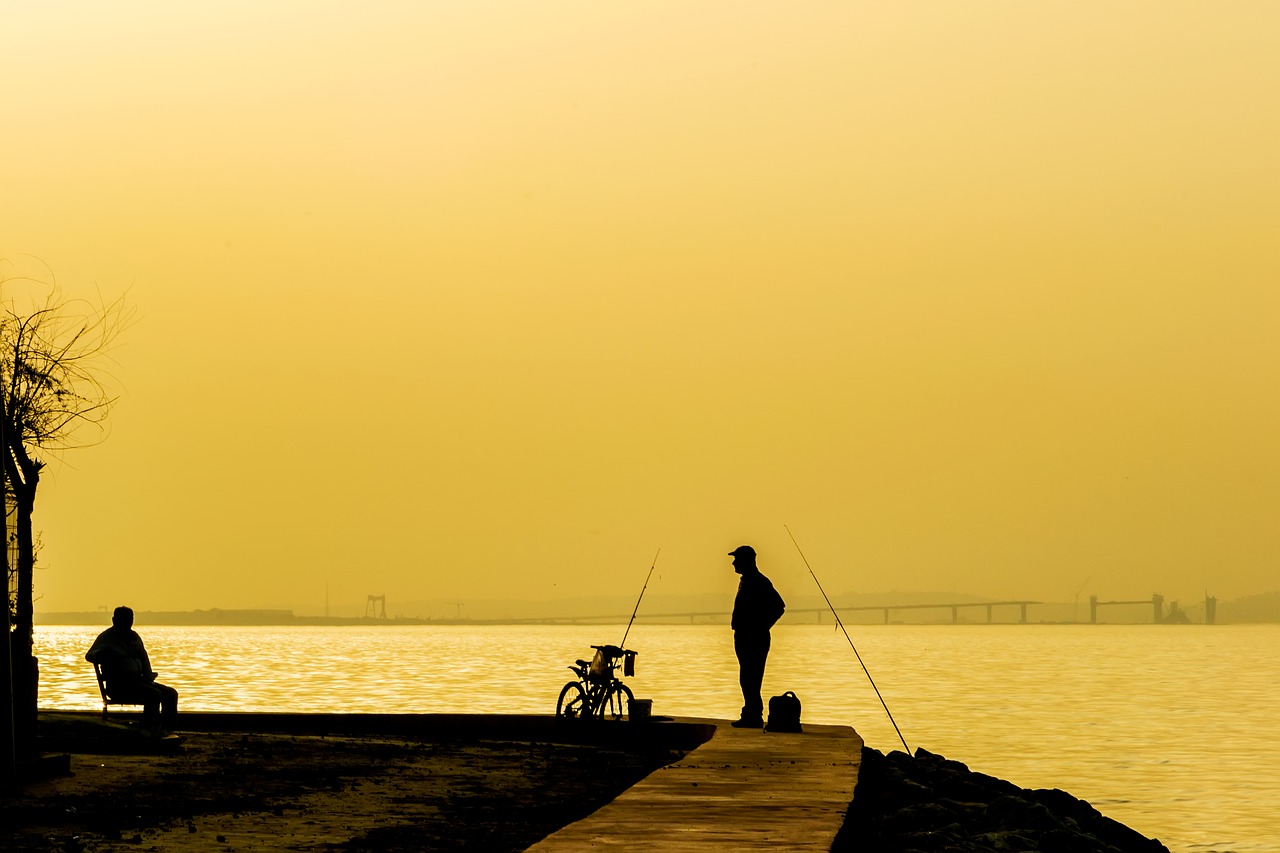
column 929, row 803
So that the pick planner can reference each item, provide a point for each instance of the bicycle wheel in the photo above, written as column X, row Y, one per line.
column 573, row 702
column 619, row 702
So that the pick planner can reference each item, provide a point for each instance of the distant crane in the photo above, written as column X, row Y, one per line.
column 376, row 606
column 1075, row 608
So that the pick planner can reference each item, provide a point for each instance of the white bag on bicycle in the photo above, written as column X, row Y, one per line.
column 601, row 666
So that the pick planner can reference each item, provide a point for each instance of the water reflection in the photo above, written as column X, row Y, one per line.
column 1170, row 730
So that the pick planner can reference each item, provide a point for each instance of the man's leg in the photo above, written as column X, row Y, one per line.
column 752, row 650
column 139, row 693
column 150, row 698
column 168, row 706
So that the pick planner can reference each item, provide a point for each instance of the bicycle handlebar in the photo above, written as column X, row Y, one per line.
column 614, row 651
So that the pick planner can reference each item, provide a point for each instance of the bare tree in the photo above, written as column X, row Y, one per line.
column 52, row 398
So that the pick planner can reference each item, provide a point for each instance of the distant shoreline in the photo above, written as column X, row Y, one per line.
column 284, row 618
column 276, row 618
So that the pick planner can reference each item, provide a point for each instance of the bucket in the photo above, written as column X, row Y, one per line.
column 640, row 710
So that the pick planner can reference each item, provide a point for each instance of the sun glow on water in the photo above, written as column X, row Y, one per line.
column 1169, row 730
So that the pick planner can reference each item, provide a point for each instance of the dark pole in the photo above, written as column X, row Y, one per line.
column 8, row 754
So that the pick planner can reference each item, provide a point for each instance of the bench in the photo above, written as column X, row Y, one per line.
column 102, row 688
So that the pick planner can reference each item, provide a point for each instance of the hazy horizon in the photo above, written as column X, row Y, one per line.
column 801, row 604
column 456, row 301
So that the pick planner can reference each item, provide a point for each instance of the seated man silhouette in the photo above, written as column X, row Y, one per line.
column 127, row 670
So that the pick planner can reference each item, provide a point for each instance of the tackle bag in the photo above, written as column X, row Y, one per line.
column 784, row 713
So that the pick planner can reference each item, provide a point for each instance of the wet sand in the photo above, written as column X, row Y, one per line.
column 228, row 791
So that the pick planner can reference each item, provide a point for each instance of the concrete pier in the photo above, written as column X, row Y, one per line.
column 743, row 789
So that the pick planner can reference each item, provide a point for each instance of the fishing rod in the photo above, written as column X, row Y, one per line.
column 623, row 644
column 847, row 637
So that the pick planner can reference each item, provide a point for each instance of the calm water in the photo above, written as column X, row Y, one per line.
column 1169, row 729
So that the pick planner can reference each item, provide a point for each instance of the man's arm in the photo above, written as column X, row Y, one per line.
column 95, row 653
column 776, row 606
column 146, row 660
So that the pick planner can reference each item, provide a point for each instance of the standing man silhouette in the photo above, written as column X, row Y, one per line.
column 755, row 609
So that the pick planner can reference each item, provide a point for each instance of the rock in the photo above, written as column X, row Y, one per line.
column 930, row 803
column 924, row 817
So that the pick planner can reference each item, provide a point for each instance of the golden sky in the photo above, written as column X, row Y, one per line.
column 466, row 300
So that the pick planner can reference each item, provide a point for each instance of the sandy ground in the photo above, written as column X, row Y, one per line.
column 230, row 792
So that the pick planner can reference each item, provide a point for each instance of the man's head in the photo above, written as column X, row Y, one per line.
column 744, row 559
column 122, row 618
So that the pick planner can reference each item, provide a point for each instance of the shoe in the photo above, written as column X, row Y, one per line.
column 748, row 724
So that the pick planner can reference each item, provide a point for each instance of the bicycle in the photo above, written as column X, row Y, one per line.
column 598, row 693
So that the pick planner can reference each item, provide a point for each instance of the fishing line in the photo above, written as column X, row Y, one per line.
column 623, row 644
column 846, row 636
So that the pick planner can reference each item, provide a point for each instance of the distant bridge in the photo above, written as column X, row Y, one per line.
column 695, row 615
column 1158, row 612
column 1160, row 615
column 955, row 609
